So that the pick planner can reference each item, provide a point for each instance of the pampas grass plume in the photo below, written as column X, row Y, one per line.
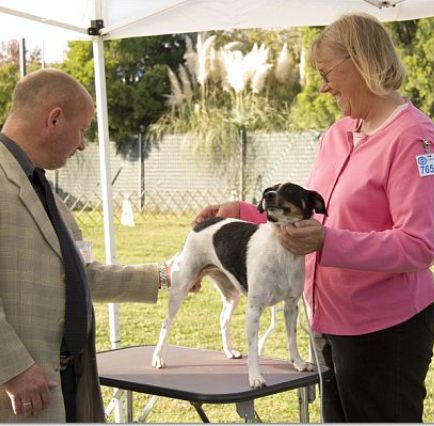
column 203, row 51
column 177, row 97
column 283, row 69
column 215, row 65
column 232, row 45
column 260, row 77
column 253, row 61
column 185, row 80
column 190, row 58
column 233, row 61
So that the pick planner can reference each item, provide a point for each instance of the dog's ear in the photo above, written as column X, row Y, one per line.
column 260, row 206
column 318, row 202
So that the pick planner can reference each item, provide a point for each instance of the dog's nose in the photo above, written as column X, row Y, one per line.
column 270, row 195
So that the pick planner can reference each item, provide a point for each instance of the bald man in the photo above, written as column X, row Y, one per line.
column 41, row 378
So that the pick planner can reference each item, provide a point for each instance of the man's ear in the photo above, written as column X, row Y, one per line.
column 53, row 118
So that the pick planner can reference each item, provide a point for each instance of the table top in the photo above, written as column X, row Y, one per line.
column 196, row 375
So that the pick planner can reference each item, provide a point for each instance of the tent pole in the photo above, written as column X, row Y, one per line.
column 106, row 187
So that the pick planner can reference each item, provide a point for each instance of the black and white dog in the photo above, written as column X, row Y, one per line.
column 241, row 257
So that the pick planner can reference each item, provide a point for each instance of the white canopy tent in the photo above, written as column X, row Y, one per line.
column 99, row 20
column 133, row 18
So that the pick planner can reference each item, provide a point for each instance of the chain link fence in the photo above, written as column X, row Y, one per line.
column 171, row 180
column 152, row 203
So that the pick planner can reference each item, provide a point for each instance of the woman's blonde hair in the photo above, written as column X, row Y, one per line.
column 363, row 38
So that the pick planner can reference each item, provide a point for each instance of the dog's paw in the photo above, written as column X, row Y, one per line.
column 303, row 366
column 233, row 354
column 158, row 362
column 257, row 382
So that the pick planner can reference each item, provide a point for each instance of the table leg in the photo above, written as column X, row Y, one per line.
column 199, row 410
column 148, row 408
column 129, row 404
column 246, row 410
column 303, row 405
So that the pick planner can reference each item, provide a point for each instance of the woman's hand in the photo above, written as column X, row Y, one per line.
column 303, row 237
column 229, row 209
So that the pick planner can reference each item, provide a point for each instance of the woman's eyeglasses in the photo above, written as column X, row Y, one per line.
column 325, row 76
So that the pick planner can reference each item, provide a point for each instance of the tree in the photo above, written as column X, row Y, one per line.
column 9, row 75
column 312, row 109
column 415, row 40
column 136, row 80
column 10, row 72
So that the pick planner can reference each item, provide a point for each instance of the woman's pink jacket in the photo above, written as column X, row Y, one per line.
column 373, row 271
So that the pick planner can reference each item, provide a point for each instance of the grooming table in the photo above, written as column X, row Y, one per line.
column 201, row 376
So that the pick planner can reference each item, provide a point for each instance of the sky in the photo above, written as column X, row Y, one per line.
column 51, row 39
column 52, row 50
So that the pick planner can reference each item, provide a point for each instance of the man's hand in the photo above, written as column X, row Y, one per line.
column 29, row 392
column 303, row 237
column 229, row 209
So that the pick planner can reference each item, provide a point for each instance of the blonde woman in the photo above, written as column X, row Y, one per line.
column 368, row 282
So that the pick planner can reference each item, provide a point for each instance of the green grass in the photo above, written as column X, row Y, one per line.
column 154, row 240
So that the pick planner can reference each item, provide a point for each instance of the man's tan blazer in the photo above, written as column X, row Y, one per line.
column 32, row 295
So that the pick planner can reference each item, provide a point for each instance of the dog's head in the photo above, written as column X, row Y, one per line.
column 288, row 203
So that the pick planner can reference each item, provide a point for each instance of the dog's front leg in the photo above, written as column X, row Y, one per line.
column 253, row 315
column 290, row 313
